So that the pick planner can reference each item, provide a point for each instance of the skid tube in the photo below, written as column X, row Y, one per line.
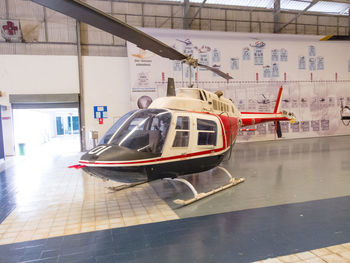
column 124, row 186
column 198, row 196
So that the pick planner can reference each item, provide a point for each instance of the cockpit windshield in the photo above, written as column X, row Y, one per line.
column 144, row 131
column 115, row 127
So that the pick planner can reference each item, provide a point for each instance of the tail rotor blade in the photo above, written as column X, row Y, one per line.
column 278, row 129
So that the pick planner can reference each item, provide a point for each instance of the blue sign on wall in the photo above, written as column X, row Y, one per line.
column 100, row 112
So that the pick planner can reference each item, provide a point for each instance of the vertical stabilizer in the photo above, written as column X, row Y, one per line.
column 170, row 88
column 278, row 101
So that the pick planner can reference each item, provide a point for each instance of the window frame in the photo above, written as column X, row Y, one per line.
column 182, row 131
column 207, row 131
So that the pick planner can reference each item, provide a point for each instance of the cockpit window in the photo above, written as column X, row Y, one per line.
column 145, row 131
column 115, row 127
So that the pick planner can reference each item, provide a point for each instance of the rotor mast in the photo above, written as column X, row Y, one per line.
column 191, row 62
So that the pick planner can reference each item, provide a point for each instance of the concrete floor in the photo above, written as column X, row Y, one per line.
column 75, row 218
column 276, row 172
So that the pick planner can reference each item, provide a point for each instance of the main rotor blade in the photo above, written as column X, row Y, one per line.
column 217, row 71
column 94, row 17
column 336, row 38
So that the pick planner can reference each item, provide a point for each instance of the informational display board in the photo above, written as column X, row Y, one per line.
column 314, row 75
column 100, row 112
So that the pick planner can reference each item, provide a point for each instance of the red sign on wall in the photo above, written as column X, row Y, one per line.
column 100, row 120
column 10, row 30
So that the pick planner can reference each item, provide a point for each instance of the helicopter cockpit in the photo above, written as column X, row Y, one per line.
column 142, row 130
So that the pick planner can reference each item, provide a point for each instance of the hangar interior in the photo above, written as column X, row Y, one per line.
column 65, row 83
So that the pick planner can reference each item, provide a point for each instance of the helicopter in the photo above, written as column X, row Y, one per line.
column 189, row 132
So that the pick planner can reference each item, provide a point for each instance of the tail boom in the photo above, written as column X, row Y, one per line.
column 252, row 118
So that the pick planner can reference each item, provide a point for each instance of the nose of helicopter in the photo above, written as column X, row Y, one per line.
column 108, row 161
column 114, row 153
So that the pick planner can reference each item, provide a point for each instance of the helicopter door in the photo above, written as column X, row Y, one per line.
column 180, row 136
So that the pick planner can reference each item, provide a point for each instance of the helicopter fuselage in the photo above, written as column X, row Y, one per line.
column 188, row 133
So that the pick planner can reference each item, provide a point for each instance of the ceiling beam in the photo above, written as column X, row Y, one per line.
column 198, row 10
column 276, row 15
column 298, row 15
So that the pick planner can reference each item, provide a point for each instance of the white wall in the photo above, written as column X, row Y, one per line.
column 106, row 82
column 21, row 74
column 105, row 79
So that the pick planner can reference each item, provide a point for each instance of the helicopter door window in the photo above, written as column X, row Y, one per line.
column 207, row 130
column 182, row 134
column 182, row 123
column 205, row 95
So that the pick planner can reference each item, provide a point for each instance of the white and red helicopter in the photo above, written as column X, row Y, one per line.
column 188, row 132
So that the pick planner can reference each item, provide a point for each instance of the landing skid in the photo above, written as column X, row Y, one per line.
column 124, row 186
column 199, row 196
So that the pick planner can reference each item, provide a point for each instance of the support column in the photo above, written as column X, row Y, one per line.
column 81, row 91
column 276, row 15
column 349, row 23
column 7, row 9
column 187, row 20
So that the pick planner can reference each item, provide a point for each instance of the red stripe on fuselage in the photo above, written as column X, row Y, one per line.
column 267, row 113
column 253, row 121
column 158, row 159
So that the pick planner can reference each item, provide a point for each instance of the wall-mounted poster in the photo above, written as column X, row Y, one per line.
column 187, row 47
column 324, row 125
column 267, row 71
column 315, row 125
column 177, row 65
column 312, row 64
column 283, row 55
column 275, row 70
column 187, row 73
column 320, row 63
column 302, row 62
column 234, row 63
column 217, row 66
column 305, row 126
column 284, row 126
column 216, row 56
column 10, row 31
column 246, row 53
column 143, row 83
column 312, row 51
column 258, row 56
column 261, row 128
column 295, row 127
column 203, row 58
column 274, row 55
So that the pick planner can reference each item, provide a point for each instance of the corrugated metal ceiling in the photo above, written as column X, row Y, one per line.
column 295, row 5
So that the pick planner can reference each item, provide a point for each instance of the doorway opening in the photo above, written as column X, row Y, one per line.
column 46, row 130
